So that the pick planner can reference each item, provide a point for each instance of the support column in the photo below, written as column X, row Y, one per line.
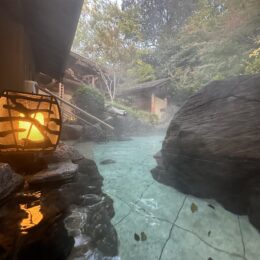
column 152, row 103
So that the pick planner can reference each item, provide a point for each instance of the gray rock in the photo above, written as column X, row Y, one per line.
column 63, row 153
column 88, row 167
column 56, row 172
column 212, row 146
column 9, row 181
column 90, row 199
column 94, row 133
column 100, row 228
column 58, row 194
column 107, row 161
column 71, row 132
column 158, row 158
column 94, row 255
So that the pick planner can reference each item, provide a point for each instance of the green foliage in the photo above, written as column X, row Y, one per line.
column 204, row 17
column 192, row 42
column 141, row 72
column 90, row 100
column 112, row 33
column 86, row 90
column 253, row 63
column 212, row 45
column 112, row 37
column 137, row 113
column 160, row 17
column 107, row 34
column 253, row 66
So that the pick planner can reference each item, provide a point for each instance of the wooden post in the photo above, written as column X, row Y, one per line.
column 93, row 81
column 152, row 103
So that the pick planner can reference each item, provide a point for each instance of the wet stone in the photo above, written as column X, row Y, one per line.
column 90, row 199
column 46, row 217
column 63, row 153
column 56, row 172
column 9, row 181
column 107, row 161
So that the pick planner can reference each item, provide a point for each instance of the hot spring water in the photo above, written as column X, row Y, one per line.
column 154, row 221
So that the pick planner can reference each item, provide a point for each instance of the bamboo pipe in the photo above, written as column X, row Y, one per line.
column 75, row 107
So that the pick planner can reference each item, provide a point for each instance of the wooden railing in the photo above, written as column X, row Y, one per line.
column 83, row 112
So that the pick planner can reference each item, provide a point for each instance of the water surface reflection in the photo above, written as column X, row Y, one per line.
column 32, row 208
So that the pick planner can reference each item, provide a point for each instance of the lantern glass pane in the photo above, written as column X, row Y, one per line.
column 28, row 122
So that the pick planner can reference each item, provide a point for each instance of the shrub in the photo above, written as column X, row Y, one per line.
column 90, row 100
column 253, row 64
column 137, row 113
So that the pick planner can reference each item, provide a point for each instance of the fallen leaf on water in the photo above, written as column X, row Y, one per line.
column 193, row 207
column 137, row 237
column 143, row 236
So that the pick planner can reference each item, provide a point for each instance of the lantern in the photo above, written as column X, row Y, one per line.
column 28, row 122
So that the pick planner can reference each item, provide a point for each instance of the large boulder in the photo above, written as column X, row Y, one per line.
column 212, row 146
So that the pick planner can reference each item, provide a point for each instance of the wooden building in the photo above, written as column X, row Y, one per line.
column 149, row 96
column 82, row 71
column 79, row 71
column 36, row 37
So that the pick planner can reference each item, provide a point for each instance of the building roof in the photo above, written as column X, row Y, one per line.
column 51, row 26
column 86, row 63
column 155, row 84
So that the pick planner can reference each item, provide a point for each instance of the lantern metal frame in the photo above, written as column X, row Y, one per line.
column 13, row 105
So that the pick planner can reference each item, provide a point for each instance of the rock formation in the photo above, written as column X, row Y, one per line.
column 58, row 206
column 71, row 132
column 212, row 146
column 9, row 181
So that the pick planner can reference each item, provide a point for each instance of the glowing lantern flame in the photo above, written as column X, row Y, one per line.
column 35, row 134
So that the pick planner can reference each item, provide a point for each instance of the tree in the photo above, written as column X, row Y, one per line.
column 253, row 64
column 110, row 36
column 212, row 44
column 159, row 17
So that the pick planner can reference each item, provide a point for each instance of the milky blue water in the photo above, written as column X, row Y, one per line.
column 134, row 160
column 155, row 222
